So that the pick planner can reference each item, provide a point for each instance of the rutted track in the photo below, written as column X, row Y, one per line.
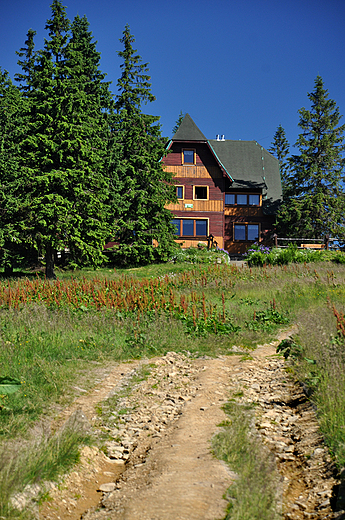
column 159, row 463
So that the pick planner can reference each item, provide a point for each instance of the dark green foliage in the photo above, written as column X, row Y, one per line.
column 313, row 205
column 267, row 320
column 12, row 124
column 289, row 348
column 75, row 173
column 139, row 186
column 280, row 149
column 291, row 254
column 62, row 179
column 27, row 64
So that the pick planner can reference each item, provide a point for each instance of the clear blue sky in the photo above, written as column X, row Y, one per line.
column 238, row 67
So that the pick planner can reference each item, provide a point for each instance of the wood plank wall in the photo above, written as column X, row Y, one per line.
column 195, row 172
column 198, row 205
column 206, row 172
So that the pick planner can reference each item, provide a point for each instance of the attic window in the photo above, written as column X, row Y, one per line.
column 188, row 156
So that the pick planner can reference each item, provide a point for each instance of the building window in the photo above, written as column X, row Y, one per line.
column 177, row 224
column 188, row 157
column 179, row 192
column 201, row 228
column 200, row 192
column 252, row 231
column 254, row 200
column 230, row 199
column 242, row 199
column 246, row 232
column 189, row 227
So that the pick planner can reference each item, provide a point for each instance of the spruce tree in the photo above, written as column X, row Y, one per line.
column 178, row 122
column 90, row 103
column 280, row 149
column 63, row 152
column 140, row 185
column 13, row 245
column 315, row 206
column 27, row 63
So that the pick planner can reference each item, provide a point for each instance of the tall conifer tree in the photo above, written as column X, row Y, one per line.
column 64, row 181
column 27, row 63
column 280, row 149
column 315, row 206
column 140, row 185
column 12, row 123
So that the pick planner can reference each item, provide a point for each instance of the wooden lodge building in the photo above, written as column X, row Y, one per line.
column 228, row 189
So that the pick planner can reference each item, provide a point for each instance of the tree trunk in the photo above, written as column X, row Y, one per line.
column 8, row 271
column 50, row 275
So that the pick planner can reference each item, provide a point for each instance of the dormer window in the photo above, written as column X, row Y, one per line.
column 242, row 199
column 188, row 156
column 254, row 200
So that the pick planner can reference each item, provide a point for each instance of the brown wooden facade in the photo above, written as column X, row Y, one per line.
column 203, row 207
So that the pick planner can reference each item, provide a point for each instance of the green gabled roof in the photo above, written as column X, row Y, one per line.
column 247, row 164
column 251, row 167
column 188, row 131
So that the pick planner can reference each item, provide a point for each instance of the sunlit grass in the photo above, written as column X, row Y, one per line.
column 52, row 340
column 254, row 493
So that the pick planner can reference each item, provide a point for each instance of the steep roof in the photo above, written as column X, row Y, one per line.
column 188, row 131
column 247, row 164
column 251, row 167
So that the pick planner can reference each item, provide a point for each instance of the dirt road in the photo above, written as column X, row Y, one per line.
column 158, row 463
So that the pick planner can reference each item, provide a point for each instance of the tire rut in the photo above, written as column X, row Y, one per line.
column 158, row 463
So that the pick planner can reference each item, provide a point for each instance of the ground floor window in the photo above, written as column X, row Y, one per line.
column 246, row 232
column 189, row 227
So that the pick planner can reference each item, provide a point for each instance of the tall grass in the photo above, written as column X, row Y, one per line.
column 43, row 458
column 321, row 368
column 53, row 333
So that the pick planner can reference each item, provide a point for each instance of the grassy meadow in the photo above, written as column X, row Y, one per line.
column 52, row 334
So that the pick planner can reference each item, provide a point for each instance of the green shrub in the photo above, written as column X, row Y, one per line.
column 291, row 254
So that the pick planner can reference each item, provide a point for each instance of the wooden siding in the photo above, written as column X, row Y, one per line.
column 266, row 223
column 203, row 155
column 197, row 205
column 243, row 211
column 197, row 172
column 235, row 248
column 214, row 188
